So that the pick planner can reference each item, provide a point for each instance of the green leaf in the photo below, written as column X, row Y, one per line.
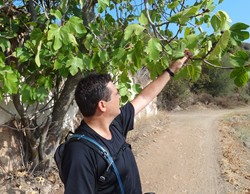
column 220, row 46
column 192, row 41
column 153, row 49
column 75, row 25
column 194, row 71
column 239, row 33
column 173, row 5
column 54, row 34
column 240, row 58
column 10, row 82
column 67, row 37
column 4, row 43
column 37, row 58
column 119, row 53
column 57, row 43
column 184, row 16
column 136, row 88
column 74, row 65
column 102, row 5
column 40, row 94
column 103, row 56
column 133, row 29
column 57, row 65
column 240, row 76
column 220, row 21
column 26, row 93
column 143, row 19
column 56, row 13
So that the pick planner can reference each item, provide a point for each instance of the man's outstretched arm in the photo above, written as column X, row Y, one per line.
column 156, row 86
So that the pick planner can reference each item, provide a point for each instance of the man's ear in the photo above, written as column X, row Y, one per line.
column 102, row 106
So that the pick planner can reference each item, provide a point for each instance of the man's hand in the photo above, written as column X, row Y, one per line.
column 181, row 62
column 188, row 53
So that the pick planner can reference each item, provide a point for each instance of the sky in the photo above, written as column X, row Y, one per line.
column 238, row 11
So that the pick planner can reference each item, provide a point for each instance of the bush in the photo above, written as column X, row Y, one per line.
column 216, row 82
column 176, row 93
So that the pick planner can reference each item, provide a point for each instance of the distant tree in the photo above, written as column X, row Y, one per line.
column 46, row 47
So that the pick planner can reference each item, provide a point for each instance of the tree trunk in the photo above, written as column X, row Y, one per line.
column 59, row 111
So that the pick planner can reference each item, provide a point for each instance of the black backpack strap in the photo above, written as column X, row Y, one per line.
column 105, row 154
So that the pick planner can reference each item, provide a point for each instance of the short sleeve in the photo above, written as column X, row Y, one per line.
column 125, row 120
column 77, row 165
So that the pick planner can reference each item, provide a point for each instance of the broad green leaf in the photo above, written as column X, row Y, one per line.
column 103, row 56
column 220, row 46
column 240, row 76
column 10, row 82
column 191, row 41
column 56, row 13
column 67, row 37
column 102, row 5
column 26, row 92
column 143, row 19
column 57, row 65
column 57, row 42
column 123, row 91
column 184, row 16
column 239, row 33
column 173, row 5
column 54, row 31
column 40, row 94
column 240, row 58
column 4, row 44
column 220, row 21
column 22, row 55
column 74, row 65
column 153, row 49
column 194, row 71
column 136, row 88
column 119, row 53
column 133, row 29
column 75, row 25
column 87, row 62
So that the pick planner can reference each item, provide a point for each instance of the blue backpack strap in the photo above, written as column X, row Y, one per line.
column 105, row 154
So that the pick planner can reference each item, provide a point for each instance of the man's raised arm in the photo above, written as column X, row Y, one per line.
column 156, row 86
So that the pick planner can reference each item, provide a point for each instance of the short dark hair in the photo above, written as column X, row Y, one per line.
column 90, row 90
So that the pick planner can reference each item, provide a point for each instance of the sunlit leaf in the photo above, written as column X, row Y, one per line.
column 56, row 13
column 153, row 49
column 239, row 33
column 143, row 19
column 133, row 29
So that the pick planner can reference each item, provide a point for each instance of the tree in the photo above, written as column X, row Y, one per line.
column 46, row 46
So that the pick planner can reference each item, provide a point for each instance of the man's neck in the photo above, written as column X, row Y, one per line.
column 100, row 126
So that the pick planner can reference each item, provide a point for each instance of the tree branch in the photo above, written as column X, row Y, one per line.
column 156, row 32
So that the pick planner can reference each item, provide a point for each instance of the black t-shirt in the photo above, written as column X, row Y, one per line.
column 82, row 166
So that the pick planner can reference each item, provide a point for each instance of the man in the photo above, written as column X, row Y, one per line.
column 108, row 124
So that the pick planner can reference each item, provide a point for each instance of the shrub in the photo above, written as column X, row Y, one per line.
column 176, row 93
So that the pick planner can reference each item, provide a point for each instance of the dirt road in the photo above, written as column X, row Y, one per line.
column 183, row 156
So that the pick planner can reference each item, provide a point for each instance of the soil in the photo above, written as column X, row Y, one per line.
column 197, row 151
column 194, row 151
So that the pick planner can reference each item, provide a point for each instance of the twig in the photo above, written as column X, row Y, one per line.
column 157, row 33
column 221, row 67
column 5, row 110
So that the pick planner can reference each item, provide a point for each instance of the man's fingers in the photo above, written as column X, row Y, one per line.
column 188, row 53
